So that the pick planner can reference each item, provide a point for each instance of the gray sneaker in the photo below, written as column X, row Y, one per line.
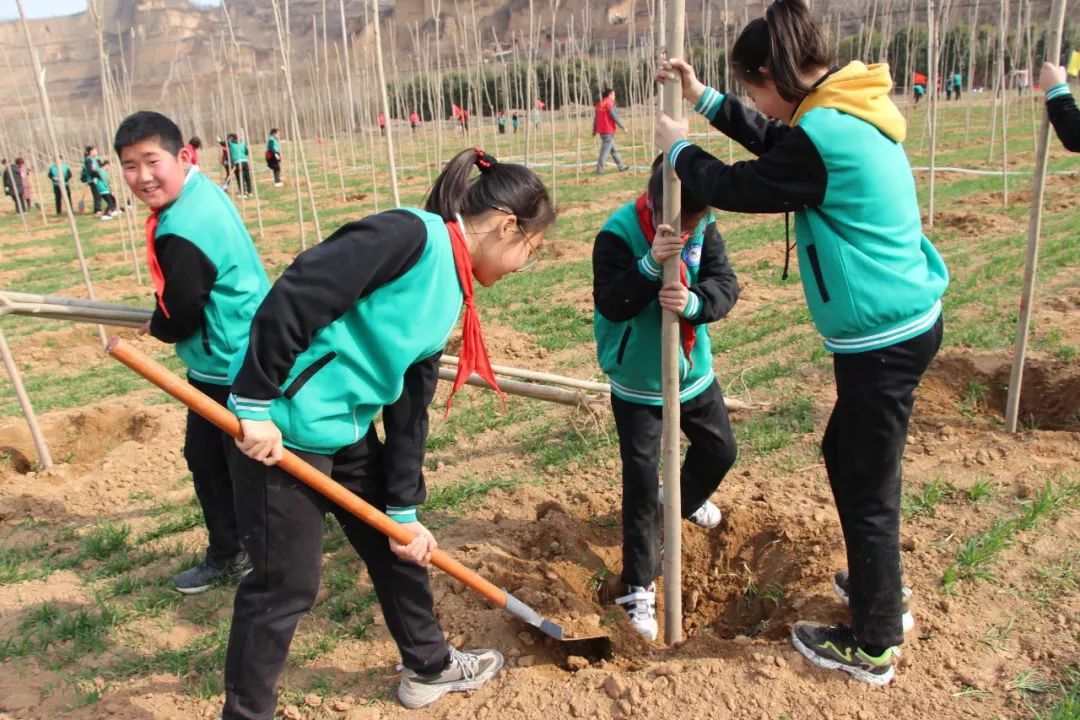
column 239, row 566
column 466, row 671
column 198, row 579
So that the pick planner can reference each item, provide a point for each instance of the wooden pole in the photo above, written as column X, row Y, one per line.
column 671, row 355
column 384, row 103
column 24, row 399
column 1016, row 376
column 932, row 80
column 43, row 97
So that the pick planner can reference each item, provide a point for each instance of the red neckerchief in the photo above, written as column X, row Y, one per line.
column 474, row 357
column 152, row 262
column 645, row 222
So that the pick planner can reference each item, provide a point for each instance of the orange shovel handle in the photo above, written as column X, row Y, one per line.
column 303, row 471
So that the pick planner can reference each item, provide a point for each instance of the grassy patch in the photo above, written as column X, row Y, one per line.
column 924, row 500
column 764, row 433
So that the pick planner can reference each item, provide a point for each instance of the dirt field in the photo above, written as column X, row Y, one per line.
column 90, row 628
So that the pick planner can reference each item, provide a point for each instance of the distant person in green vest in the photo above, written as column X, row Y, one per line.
column 104, row 190
column 273, row 154
column 629, row 297
column 89, row 173
column 1060, row 105
column 514, row 122
column 920, row 90
column 208, row 282
column 330, row 348
column 241, row 164
column 56, row 175
column 500, row 121
column 957, row 85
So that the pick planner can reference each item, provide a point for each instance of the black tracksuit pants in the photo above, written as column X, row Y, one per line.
column 206, row 449
column 275, row 167
column 712, row 452
column 59, row 201
column 863, row 447
column 97, row 197
column 282, row 522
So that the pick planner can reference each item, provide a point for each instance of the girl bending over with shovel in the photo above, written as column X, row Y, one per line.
column 356, row 325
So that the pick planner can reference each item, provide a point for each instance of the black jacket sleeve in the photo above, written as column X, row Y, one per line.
column 716, row 286
column 405, row 424
column 189, row 276
column 790, row 176
column 748, row 127
column 1065, row 117
column 319, row 287
column 620, row 290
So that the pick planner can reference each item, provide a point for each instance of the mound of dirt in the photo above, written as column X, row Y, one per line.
column 973, row 382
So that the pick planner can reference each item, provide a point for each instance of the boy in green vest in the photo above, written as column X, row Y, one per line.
column 628, row 259
column 273, row 155
column 209, row 282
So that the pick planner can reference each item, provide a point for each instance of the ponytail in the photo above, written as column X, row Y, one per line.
column 787, row 42
column 499, row 186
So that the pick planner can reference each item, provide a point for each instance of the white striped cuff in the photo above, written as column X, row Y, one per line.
column 710, row 103
column 402, row 515
column 678, row 147
column 693, row 307
column 250, row 408
column 649, row 268
column 1057, row 91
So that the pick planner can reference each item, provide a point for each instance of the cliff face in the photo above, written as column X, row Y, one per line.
column 161, row 47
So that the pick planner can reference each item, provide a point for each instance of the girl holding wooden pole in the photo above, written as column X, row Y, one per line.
column 872, row 280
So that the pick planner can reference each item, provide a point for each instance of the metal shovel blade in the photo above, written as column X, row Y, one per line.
column 595, row 647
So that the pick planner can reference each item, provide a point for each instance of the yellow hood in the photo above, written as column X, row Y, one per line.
column 859, row 90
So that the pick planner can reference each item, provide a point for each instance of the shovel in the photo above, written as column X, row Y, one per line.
column 595, row 647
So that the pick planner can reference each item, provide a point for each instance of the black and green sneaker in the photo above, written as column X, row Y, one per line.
column 833, row 647
column 840, row 587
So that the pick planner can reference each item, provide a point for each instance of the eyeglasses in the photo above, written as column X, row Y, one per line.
column 534, row 251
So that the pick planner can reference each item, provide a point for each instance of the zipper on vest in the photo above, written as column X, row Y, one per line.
column 819, row 277
column 622, row 344
column 308, row 373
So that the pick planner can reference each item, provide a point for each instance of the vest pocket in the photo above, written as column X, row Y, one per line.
column 205, row 337
column 308, row 373
column 622, row 344
column 815, row 265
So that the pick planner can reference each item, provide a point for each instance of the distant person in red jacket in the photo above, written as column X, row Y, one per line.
column 605, row 124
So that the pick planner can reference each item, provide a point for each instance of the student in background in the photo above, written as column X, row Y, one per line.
column 273, row 155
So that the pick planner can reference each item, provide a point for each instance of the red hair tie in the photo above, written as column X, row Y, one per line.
column 484, row 161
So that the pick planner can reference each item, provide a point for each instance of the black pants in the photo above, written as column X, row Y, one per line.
column 282, row 521
column 98, row 197
column 109, row 200
column 19, row 206
column 711, row 454
column 206, row 449
column 242, row 172
column 59, row 202
column 863, row 447
column 275, row 166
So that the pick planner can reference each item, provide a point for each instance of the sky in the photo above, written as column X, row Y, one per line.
column 52, row 8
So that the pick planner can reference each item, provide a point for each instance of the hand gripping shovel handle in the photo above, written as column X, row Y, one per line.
column 303, row 471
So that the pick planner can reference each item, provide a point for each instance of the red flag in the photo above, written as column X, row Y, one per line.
column 456, row 110
column 918, row 78
column 540, row 105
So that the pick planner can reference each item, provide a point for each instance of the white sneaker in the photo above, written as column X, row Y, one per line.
column 467, row 671
column 640, row 605
column 278, row 184
column 106, row 217
column 707, row 516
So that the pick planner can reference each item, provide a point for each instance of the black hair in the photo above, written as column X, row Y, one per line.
column 607, row 91
column 88, row 149
column 233, row 137
column 195, row 142
column 273, row 130
column 692, row 205
column 787, row 42
column 499, row 185
column 148, row 125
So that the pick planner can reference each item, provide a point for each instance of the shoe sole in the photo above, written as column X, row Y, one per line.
column 907, row 620
column 192, row 590
column 826, row 664
column 423, row 699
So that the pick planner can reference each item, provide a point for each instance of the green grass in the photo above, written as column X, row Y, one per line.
column 767, row 432
column 456, row 497
column 974, row 559
column 924, row 500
